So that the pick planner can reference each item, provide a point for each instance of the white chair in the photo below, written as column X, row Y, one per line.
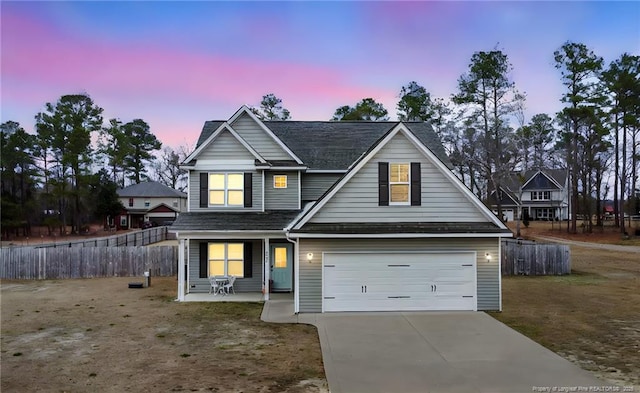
column 215, row 285
column 229, row 285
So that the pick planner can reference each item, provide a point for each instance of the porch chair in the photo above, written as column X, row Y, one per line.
column 215, row 285
column 229, row 285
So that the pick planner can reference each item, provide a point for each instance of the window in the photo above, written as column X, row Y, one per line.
column 130, row 202
column 146, row 203
column 540, row 195
column 226, row 189
column 175, row 203
column 399, row 184
column 280, row 181
column 123, row 221
column 226, row 259
column 280, row 257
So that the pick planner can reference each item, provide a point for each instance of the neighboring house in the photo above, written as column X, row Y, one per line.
column 349, row 216
column 544, row 195
column 151, row 202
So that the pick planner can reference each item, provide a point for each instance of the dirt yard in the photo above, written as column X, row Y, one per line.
column 591, row 317
column 96, row 335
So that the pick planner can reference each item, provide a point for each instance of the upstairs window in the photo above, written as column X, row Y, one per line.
column 146, row 203
column 226, row 189
column 540, row 195
column 280, row 181
column 130, row 202
column 399, row 184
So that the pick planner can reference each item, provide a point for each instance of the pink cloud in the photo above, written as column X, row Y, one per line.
column 39, row 53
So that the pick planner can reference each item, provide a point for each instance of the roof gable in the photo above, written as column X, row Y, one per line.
column 541, row 181
column 223, row 129
column 246, row 122
column 400, row 131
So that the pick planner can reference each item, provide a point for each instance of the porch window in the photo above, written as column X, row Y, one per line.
column 399, row 184
column 226, row 189
column 280, row 181
column 226, row 259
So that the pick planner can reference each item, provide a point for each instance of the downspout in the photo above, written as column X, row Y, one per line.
column 296, row 270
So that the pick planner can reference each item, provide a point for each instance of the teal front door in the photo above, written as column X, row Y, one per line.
column 281, row 266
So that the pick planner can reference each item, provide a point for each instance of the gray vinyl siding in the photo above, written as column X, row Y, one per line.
column 199, row 285
column 261, row 142
column 488, row 274
column 226, row 147
column 194, row 194
column 357, row 201
column 281, row 198
column 316, row 184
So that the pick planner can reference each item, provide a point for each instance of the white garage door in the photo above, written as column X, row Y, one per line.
column 399, row 282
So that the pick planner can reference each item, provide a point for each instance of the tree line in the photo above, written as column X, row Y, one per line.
column 67, row 173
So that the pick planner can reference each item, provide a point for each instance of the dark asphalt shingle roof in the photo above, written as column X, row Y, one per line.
column 150, row 189
column 403, row 227
column 337, row 144
column 270, row 220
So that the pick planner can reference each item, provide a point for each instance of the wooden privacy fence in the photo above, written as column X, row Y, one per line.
column 521, row 257
column 137, row 238
column 30, row 263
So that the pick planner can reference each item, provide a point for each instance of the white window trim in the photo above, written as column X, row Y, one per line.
column 225, row 189
column 408, row 183
column 226, row 259
column 286, row 181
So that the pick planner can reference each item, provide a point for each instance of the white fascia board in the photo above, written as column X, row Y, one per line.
column 202, row 146
column 282, row 168
column 352, row 171
column 338, row 171
column 199, row 235
column 396, row 235
column 245, row 109
column 453, row 178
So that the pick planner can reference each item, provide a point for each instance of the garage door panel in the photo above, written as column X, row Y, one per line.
column 396, row 282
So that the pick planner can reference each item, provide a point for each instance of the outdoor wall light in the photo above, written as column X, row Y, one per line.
column 309, row 257
column 488, row 257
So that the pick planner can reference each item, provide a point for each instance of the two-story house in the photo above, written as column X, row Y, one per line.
column 149, row 202
column 545, row 195
column 349, row 216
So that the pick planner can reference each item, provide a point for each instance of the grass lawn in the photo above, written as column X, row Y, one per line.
column 98, row 335
column 591, row 317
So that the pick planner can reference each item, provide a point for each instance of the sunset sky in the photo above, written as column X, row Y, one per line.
column 177, row 64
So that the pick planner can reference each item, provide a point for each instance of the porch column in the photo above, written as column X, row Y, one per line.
column 181, row 272
column 267, row 269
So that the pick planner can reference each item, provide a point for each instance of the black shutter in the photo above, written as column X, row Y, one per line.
column 204, row 190
column 383, row 184
column 248, row 260
column 416, row 188
column 248, row 194
column 204, row 269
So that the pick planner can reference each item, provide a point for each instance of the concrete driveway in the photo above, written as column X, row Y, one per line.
column 437, row 352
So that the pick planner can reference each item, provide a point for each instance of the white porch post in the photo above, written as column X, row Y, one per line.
column 267, row 269
column 181, row 272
